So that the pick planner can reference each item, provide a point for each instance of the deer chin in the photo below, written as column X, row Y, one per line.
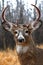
column 21, row 49
column 21, row 43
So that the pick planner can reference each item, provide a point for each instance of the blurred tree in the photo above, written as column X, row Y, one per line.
column 2, row 4
column 3, row 32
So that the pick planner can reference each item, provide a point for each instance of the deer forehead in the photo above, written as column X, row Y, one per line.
column 20, row 27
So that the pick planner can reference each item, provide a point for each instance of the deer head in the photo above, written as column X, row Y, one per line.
column 22, row 33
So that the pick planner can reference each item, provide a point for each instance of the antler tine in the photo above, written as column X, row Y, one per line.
column 39, row 14
column 3, row 15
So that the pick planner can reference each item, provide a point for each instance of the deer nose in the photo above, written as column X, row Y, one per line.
column 21, row 40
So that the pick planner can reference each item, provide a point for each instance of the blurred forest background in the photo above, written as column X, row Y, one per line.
column 29, row 14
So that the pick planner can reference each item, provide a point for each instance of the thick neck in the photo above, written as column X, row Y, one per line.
column 25, row 57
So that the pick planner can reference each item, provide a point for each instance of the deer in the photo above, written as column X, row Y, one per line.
column 25, row 45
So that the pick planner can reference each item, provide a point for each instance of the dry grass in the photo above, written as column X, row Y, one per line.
column 8, row 57
column 40, row 46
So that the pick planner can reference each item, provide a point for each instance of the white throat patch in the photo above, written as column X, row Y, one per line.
column 20, row 49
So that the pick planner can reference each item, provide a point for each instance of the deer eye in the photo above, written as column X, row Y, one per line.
column 16, row 32
column 26, row 31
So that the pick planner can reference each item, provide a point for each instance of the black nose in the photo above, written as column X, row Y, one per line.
column 20, row 40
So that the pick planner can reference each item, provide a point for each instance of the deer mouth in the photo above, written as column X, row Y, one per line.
column 22, row 43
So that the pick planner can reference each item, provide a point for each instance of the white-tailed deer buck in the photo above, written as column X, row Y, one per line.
column 25, row 47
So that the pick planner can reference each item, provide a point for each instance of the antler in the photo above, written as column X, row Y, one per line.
column 38, row 11
column 6, row 24
column 3, row 15
column 4, row 18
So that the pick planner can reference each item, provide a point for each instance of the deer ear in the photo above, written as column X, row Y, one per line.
column 7, row 26
column 36, row 25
